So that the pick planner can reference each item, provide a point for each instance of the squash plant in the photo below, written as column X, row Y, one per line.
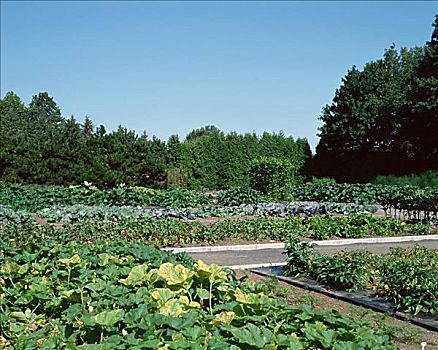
column 130, row 296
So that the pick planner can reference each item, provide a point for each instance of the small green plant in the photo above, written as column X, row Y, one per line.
column 307, row 299
column 323, row 180
column 272, row 285
column 426, row 179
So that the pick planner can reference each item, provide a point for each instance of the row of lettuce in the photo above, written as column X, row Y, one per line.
column 407, row 276
column 167, row 232
column 119, row 295
column 34, row 197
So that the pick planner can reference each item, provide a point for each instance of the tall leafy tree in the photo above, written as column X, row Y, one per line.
column 418, row 139
column 361, row 125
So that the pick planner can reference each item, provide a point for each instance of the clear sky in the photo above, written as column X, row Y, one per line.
column 169, row 67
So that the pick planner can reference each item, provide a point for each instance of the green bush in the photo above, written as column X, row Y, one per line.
column 274, row 177
column 347, row 270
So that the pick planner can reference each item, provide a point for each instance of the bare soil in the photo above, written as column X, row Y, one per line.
column 405, row 335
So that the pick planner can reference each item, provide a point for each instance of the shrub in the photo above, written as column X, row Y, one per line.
column 274, row 177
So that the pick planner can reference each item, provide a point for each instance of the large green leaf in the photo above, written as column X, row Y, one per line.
column 108, row 318
column 137, row 275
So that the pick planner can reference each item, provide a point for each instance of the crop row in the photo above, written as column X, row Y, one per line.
column 411, row 199
column 284, row 209
column 78, row 212
column 406, row 275
column 174, row 232
column 130, row 296
column 34, row 197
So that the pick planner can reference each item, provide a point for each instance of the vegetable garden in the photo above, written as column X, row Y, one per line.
column 406, row 275
column 129, row 296
column 411, row 200
column 79, row 270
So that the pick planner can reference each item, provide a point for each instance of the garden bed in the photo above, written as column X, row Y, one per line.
column 406, row 276
column 366, row 299
column 406, row 335
column 130, row 296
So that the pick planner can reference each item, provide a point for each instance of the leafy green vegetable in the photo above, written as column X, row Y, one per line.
column 120, row 295
column 407, row 275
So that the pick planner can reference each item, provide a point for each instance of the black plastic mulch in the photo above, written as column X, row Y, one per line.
column 366, row 299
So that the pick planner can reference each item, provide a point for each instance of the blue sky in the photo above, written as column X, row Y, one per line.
column 169, row 67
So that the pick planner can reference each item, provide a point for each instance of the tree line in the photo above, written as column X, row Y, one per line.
column 383, row 118
column 38, row 145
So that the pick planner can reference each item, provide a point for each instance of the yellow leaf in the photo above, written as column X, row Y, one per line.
column 203, row 267
column 175, row 275
column 185, row 300
column 224, row 317
column 162, row 294
column 172, row 308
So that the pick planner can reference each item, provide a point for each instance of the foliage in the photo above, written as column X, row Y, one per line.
column 80, row 212
column 167, row 231
column 406, row 275
column 212, row 159
column 353, row 226
column 110, row 296
column 237, row 196
column 180, row 198
column 410, row 278
column 164, row 232
column 423, row 180
column 8, row 216
column 411, row 199
column 322, row 180
column 299, row 256
column 39, row 145
column 383, row 118
column 161, row 232
column 283, row 209
column 273, row 177
column 34, row 197
column 420, row 117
